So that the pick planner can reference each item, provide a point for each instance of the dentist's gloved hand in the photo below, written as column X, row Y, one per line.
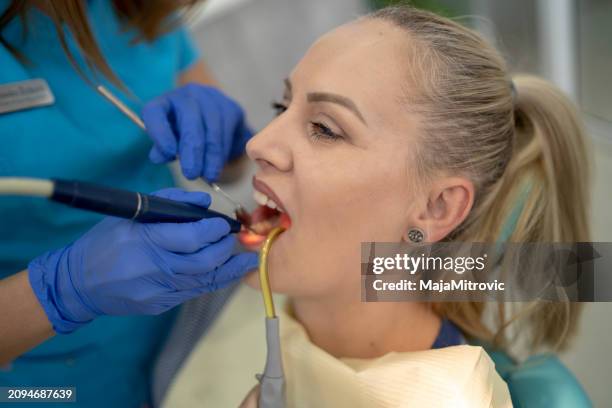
column 120, row 267
column 201, row 125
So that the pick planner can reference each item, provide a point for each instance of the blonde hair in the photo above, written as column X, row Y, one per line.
column 522, row 146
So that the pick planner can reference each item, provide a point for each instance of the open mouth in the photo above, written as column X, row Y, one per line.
column 268, row 215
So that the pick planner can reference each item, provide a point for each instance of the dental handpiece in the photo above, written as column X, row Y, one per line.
column 139, row 207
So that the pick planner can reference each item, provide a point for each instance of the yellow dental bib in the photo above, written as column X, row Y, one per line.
column 459, row 376
column 220, row 371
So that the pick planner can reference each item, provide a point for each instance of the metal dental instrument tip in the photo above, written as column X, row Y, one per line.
column 244, row 217
column 241, row 214
column 215, row 187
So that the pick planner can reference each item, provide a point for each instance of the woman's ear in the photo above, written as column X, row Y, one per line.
column 449, row 202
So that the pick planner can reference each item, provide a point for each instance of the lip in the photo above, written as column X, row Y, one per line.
column 265, row 189
column 253, row 241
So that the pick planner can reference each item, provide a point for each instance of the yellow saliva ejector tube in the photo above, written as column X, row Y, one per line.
column 272, row 381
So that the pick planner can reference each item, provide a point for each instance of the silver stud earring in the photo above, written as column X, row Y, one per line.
column 416, row 235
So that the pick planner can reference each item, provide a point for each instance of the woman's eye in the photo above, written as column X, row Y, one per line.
column 319, row 130
column 279, row 107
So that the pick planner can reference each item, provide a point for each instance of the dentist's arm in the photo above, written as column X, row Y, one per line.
column 119, row 267
column 197, row 72
column 23, row 322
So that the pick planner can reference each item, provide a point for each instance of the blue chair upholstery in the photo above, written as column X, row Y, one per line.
column 540, row 381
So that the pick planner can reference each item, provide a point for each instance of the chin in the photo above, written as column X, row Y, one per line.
column 251, row 279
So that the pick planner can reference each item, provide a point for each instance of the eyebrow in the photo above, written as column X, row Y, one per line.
column 338, row 99
column 330, row 97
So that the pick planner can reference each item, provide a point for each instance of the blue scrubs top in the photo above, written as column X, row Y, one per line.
column 82, row 137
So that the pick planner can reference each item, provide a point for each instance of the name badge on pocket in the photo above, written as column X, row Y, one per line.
column 28, row 94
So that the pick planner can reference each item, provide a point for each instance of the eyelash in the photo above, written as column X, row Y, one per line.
column 317, row 130
column 278, row 107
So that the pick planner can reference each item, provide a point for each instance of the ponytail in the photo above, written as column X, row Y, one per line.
column 548, row 173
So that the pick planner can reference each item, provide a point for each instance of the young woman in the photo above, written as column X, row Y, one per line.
column 401, row 121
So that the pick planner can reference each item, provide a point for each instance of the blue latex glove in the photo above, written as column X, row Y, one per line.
column 201, row 125
column 120, row 267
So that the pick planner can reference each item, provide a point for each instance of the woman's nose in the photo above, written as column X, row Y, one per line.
column 270, row 147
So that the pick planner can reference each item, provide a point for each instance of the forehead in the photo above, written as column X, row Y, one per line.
column 366, row 60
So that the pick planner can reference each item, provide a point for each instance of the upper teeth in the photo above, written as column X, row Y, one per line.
column 262, row 199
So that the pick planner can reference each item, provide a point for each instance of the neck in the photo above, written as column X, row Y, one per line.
column 356, row 329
